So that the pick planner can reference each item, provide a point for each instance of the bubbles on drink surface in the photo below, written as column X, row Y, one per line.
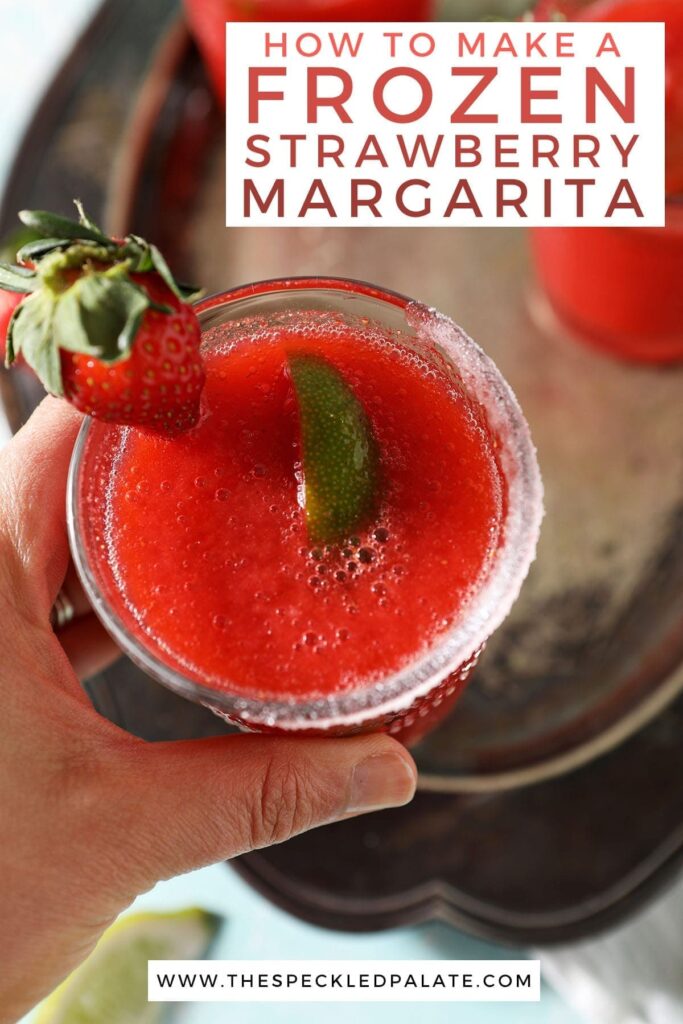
column 261, row 606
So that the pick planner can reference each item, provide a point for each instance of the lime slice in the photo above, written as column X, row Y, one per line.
column 339, row 455
column 111, row 985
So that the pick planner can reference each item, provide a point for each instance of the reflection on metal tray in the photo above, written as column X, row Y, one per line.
column 592, row 651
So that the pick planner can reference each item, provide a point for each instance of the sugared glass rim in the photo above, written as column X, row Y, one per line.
column 487, row 608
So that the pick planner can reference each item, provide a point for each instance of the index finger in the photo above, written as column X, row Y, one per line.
column 33, row 474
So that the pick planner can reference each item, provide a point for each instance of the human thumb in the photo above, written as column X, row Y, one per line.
column 196, row 802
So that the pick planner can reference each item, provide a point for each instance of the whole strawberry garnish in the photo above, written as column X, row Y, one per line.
column 103, row 323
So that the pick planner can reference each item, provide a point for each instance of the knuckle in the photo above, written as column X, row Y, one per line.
column 281, row 805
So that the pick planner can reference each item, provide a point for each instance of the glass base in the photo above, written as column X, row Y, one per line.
column 408, row 726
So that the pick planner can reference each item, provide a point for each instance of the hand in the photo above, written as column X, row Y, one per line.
column 90, row 816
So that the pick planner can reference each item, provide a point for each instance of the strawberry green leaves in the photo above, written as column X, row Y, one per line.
column 51, row 225
column 100, row 314
column 18, row 279
column 339, row 463
column 85, row 300
column 75, row 243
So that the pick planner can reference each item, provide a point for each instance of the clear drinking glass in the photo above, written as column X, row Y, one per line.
column 407, row 702
column 618, row 289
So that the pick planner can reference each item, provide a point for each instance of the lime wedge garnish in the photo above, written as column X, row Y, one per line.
column 111, row 985
column 339, row 469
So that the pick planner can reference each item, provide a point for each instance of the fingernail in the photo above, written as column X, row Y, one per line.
column 382, row 780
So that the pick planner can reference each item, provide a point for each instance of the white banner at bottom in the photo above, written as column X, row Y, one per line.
column 344, row 981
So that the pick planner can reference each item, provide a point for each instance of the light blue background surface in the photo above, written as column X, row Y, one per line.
column 35, row 34
column 256, row 930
